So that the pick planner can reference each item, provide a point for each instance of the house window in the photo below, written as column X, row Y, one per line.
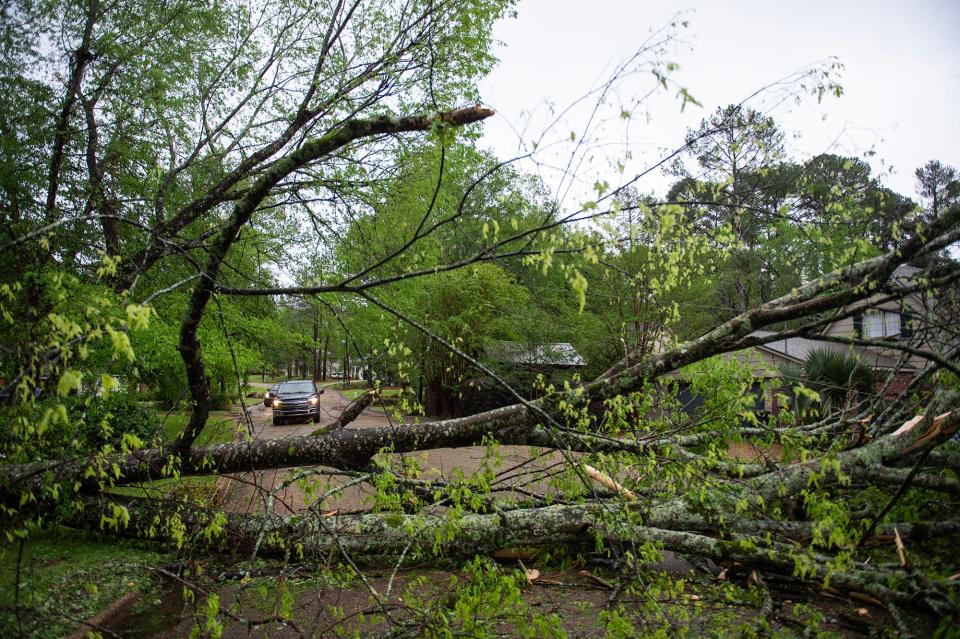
column 881, row 324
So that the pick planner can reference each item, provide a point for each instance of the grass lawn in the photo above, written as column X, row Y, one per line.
column 220, row 429
column 68, row 575
column 353, row 393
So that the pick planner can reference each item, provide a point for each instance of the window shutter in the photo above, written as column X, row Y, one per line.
column 906, row 325
column 858, row 325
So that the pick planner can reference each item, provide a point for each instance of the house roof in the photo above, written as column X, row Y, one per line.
column 556, row 354
column 794, row 348
column 904, row 273
column 797, row 349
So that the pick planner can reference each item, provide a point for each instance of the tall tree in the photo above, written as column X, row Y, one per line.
column 735, row 150
column 938, row 183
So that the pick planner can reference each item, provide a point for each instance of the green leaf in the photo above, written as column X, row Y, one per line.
column 69, row 381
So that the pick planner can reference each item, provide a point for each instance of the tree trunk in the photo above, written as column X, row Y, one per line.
column 315, row 345
column 326, row 345
column 671, row 526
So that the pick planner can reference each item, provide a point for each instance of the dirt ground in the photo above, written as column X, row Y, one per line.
column 578, row 600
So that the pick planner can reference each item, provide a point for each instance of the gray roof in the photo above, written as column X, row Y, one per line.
column 557, row 354
column 797, row 349
column 904, row 273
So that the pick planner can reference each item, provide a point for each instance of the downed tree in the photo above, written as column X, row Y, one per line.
column 531, row 422
column 631, row 484
column 668, row 520
column 860, row 499
column 666, row 490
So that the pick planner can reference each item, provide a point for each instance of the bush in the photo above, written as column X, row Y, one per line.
column 106, row 420
column 840, row 379
column 87, row 424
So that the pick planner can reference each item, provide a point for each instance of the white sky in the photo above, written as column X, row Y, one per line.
column 901, row 79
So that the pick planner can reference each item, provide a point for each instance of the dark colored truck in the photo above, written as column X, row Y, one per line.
column 294, row 401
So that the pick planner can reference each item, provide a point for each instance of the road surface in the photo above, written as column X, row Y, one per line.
column 266, row 491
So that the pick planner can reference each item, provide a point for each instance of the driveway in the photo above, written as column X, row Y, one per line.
column 283, row 493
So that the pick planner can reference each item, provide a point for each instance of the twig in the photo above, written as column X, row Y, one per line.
column 901, row 550
column 397, row 567
column 606, row 481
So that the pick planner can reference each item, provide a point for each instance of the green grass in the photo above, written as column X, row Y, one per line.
column 358, row 384
column 68, row 575
column 220, row 429
column 353, row 393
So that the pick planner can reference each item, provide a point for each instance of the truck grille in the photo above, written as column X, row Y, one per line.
column 293, row 409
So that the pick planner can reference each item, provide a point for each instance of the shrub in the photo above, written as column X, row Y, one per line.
column 104, row 420
column 840, row 379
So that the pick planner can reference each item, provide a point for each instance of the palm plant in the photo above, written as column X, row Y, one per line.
column 839, row 379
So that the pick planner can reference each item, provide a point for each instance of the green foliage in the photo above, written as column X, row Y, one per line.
column 483, row 604
column 728, row 389
column 835, row 378
column 141, row 126
column 108, row 421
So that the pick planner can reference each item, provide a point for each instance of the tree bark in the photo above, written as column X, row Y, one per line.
column 326, row 346
column 670, row 526
column 315, row 345
column 79, row 61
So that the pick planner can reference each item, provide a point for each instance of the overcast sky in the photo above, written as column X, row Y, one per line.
column 901, row 79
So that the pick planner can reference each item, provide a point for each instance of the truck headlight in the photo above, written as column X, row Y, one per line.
column 276, row 403
column 313, row 400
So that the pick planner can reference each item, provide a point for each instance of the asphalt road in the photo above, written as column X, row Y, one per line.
column 283, row 493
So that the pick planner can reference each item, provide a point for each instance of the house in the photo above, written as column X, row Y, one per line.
column 520, row 365
column 873, row 320
column 542, row 357
column 354, row 371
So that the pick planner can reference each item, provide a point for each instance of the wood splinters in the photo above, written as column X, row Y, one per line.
column 932, row 432
column 607, row 482
column 550, row 582
column 901, row 549
column 599, row 580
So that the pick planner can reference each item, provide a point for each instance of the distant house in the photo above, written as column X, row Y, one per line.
column 873, row 320
column 519, row 365
column 542, row 357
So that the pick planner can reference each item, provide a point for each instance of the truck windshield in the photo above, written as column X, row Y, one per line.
column 296, row 387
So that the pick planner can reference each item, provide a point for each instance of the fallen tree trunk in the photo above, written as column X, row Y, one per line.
column 670, row 489
column 669, row 526
column 349, row 414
